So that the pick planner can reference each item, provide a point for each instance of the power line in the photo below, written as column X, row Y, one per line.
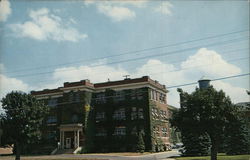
column 187, row 68
column 169, row 87
column 145, row 57
column 216, row 79
column 175, row 62
column 132, row 52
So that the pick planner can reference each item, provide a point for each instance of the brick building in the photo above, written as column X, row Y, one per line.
column 109, row 114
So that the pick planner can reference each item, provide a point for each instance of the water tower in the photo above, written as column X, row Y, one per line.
column 204, row 82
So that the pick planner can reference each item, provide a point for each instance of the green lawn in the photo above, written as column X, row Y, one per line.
column 220, row 157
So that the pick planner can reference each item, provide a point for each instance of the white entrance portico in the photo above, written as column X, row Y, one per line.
column 70, row 135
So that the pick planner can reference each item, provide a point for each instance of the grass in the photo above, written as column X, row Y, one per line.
column 220, row 157
column 45, row 158
column 121, row 153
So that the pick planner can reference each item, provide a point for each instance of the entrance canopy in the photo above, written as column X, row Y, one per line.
column 70, row 127
column 66, row 139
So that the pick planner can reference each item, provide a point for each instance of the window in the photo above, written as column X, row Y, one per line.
column 100, row 98
column 51, row 119
column 140, row 113
column 156, row 130
column 157, row 95
column 101, row 132
column 137, row 113
column 155, row 112
column 162, row 98
column 71, row 97
column 164, row 132
column 120, row 131
column 140, row 95
column 133, row 94
column 100, row 116
column 152, row 94
column 133, row 113
column 52, row 102
column 136, row 94
column 51, row 134
column 161, row 113
column 119, row 96
column 77, row 97
column 165, row 114
column 119, row 114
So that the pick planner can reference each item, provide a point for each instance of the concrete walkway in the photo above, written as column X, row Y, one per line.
column 154, row 156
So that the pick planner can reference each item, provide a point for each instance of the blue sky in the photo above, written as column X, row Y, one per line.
column 45, row 43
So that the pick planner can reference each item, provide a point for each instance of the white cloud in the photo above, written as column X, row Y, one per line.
column 135, row 3
column 44, row 25
column 164, row 8
column 5, row 10
column 95, row 74
column 236, row 94
column 8, row 84
column 116, row 13
column 210, row 63
column 165, row 73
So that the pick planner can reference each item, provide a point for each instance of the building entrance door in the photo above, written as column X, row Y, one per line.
column 68, row 143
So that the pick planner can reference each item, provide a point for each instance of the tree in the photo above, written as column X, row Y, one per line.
column 205, row 111
column 195, row 144
column 237, row 136
column 140, row 143
column 22, row 120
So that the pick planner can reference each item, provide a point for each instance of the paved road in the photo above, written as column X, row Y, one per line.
column 154, row 156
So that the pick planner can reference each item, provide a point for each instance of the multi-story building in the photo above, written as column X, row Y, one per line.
column 109, row 114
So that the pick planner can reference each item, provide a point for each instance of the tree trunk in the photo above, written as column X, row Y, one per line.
column 214, row 149
column 18, row 150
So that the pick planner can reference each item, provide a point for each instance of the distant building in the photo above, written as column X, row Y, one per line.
column 119, row 110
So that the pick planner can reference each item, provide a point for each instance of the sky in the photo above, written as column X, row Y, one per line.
column 46, row 43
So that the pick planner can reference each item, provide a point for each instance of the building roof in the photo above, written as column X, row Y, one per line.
column 46, row 91
column 88, row 84
column 131, row 81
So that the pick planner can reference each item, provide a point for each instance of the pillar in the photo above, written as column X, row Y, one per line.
column 75, row 141
column 78, row 139
column 62, row 139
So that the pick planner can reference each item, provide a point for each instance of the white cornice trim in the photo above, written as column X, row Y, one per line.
column 76, row 88
column 129, row 86
column 58, row 94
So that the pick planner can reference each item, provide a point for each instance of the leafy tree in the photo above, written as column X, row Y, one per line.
column 140, row 143
column 237, row 139
column 205, row 111
column 22, row 120
column 195, row 144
